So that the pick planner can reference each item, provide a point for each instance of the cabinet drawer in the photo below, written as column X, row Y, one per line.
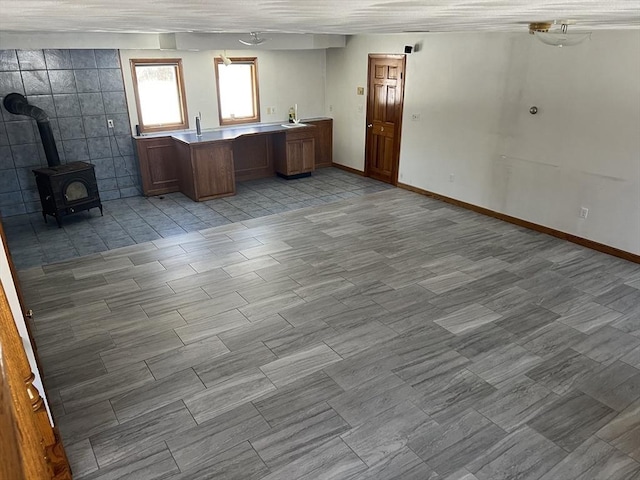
column 301, row 134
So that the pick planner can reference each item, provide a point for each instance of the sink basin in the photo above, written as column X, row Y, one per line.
column 294, row 125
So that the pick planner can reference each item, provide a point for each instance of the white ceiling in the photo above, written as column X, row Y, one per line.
column 309, row 16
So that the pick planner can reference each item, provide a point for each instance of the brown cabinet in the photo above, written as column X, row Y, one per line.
column 252, row 157
column 206, row 170
column 207, row 166
column 324, row 141
column 158, row 165
column 295, row 152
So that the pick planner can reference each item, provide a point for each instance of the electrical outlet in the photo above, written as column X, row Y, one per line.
column 584, row 212
column 452, row 177
column 360, row 108
column 331, row 108
column 415, row 117
column 110, row 123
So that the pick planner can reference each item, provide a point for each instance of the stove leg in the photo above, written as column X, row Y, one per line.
column 59, row 220
column 44, row 215
column 101, row 214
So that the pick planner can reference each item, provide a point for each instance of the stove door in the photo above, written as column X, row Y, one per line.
column 75, row 191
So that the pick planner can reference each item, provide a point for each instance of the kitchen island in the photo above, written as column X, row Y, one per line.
column 207, row 166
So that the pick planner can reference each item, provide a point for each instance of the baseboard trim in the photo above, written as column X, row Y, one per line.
column 348, row 169
column 600, row 247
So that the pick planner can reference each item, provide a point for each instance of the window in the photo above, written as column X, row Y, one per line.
column 159, row 90
column 237, row 87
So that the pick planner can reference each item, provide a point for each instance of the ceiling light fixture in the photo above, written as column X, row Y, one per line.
column 225, row 60
column 254, row 40
column 560, row 38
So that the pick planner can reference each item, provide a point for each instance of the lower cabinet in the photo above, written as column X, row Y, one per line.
column 295, row 152
column 203, row 170
column 324, row 141
column 158, row 165
column 206, row 170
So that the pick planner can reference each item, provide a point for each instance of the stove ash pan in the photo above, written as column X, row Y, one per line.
column 67, row 189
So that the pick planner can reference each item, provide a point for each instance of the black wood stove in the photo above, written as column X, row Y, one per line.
column 64, row 189
column 67, row 189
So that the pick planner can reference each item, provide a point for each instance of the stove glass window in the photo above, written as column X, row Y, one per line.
column 76, row 190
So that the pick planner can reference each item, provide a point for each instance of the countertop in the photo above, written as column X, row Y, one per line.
column 231, row 133
column 228, row 133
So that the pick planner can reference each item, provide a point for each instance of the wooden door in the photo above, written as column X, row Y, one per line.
column 384, row 116
column 34, row 439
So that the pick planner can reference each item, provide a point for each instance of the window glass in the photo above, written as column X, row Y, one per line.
column 159, row 94
column 237, row 91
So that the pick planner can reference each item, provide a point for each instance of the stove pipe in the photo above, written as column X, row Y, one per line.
column 17, row 104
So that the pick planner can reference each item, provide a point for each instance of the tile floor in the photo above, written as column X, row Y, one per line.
column 386, row 336
column 134, row 220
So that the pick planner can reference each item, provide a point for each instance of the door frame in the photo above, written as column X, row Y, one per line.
column 398, row 124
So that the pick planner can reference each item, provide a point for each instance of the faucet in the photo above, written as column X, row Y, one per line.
column 198, row 128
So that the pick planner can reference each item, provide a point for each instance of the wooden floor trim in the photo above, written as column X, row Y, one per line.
column 348, row 169
column 600, row 247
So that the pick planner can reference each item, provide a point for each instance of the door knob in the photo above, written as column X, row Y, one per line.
column 370, row 125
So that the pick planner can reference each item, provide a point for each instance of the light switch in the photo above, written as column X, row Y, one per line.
column 360, row 90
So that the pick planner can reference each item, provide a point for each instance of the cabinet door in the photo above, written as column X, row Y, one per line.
column 308, row 154
column 294, row 157
column 158, row 165
column 324, row 141
column 213, row 170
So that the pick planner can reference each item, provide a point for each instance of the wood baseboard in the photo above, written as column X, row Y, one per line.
column 600, row 247
column 348, row 169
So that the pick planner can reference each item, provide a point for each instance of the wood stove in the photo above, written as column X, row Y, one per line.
column 63, row 189
column 67, row 189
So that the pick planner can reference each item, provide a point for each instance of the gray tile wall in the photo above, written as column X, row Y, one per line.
column 79, row 90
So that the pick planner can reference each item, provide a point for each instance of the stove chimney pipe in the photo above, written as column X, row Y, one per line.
column 18, row 105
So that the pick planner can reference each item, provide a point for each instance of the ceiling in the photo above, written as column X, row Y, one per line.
column 309, row 16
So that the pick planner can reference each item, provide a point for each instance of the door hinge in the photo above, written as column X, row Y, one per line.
column 401, row 75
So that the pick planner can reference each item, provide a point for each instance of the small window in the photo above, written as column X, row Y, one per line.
column 237, row 87
column 159, row 90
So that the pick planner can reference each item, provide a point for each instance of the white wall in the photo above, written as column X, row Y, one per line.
column 473, row 93
column 285, row 77
column 10, row 291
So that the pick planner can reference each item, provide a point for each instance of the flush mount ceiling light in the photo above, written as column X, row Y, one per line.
column 254, row 40
column 561, row 38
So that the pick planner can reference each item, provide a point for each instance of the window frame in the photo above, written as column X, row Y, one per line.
column 256, row 90
column 174, row 62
